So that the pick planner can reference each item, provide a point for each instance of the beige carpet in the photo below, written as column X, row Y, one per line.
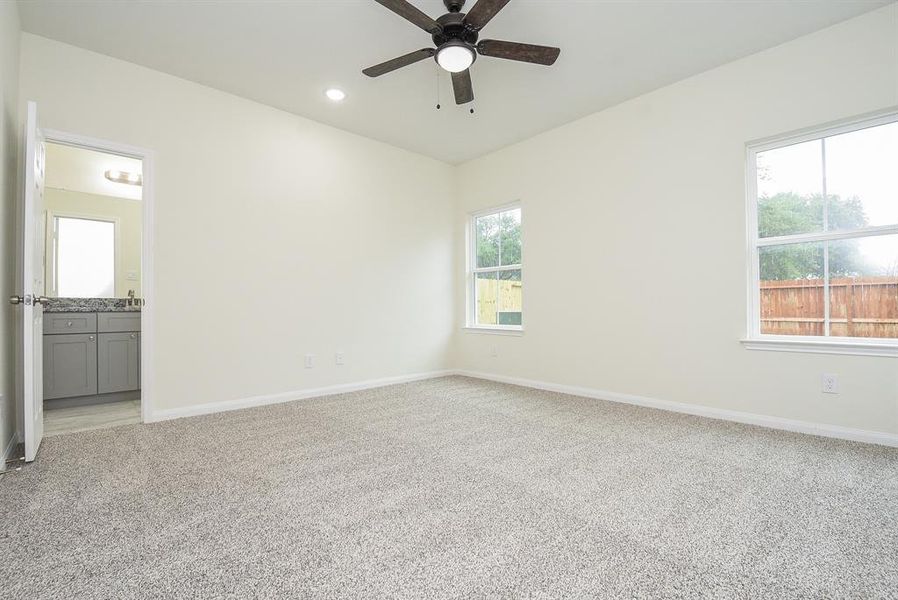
column 450, row 488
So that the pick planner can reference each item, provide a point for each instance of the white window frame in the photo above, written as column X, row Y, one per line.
column 755, row 340
column 471, row 324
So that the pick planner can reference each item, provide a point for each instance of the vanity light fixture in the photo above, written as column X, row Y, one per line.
column 124, row 177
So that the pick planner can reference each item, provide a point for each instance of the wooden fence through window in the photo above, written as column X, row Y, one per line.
column 859, row 307
column 864, row 307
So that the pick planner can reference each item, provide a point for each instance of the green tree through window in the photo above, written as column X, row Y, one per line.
column 789, row 213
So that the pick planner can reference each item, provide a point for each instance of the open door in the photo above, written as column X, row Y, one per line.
column 32, row 299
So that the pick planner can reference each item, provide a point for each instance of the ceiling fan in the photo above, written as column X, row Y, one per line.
column 455, row 36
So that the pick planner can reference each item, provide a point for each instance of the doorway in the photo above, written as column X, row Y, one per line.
column 86, row 267
column 92, row 275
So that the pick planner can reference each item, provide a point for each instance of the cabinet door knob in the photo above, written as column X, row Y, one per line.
column 69, row 324
column 90, row 337
column 133, row 336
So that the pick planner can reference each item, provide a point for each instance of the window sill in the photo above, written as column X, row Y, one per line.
column 834, row 346
column 494, row 330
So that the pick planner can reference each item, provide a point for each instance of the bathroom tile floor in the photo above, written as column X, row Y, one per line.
column 58, row 421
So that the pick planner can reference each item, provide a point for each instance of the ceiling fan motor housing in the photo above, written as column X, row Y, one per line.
column 454, row 28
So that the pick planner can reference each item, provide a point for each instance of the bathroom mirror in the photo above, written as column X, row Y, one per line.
column 92, row 203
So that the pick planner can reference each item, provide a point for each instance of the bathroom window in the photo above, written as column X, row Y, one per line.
column 83, row 258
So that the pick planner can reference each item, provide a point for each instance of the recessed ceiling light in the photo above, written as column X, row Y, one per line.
column 335, row 94
column 124, row 177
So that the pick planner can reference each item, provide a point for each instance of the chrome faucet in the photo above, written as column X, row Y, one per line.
column 131, row 295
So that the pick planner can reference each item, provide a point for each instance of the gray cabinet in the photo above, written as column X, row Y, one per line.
column 118, row 362
column 70, row 365
column 102, row 358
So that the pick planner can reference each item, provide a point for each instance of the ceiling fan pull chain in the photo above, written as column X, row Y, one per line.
column 437, row 71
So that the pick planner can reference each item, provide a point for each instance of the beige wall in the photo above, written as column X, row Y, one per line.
column 626, row 210
column 275, row 236
column 9, row 137
column 127, row 215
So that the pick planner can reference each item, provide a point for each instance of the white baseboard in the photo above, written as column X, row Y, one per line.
column 237, row 404
column 821, row 429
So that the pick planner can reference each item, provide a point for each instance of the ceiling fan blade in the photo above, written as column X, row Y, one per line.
column 397, row 63
column 482, row 12
column 462, row 86
column 410, row 13
column 540, row 55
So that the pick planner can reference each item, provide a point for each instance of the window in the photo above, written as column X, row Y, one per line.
column 495, row 271
column 84, row 258
column 823, row 209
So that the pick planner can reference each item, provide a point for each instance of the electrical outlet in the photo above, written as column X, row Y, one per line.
column 830, row 383
column 494, row 351
column 310, row 361
column 340, row 358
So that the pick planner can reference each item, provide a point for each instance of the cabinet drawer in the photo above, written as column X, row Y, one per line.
column 70, row 323
column 113, row 322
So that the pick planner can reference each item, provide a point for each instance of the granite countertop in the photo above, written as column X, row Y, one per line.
column 90, row 305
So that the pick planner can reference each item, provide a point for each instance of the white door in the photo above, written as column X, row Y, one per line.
column 32, row 299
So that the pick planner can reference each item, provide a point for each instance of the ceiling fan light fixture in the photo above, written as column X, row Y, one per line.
column 455, row 56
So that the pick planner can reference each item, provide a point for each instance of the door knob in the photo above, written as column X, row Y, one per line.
column 16, row 300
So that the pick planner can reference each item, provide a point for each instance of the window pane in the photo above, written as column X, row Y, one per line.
column 864, row 287
column 510, row 225
column 85, row 258
column 790, row 190
column 510, row 297
column 486, row 232
column 862, row 177
column 792, row 289
column 486, row 298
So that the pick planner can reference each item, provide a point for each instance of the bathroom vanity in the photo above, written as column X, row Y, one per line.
column 91, row 351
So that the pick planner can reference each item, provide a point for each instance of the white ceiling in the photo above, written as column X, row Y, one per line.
column 82, row 170
column 286, row 53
